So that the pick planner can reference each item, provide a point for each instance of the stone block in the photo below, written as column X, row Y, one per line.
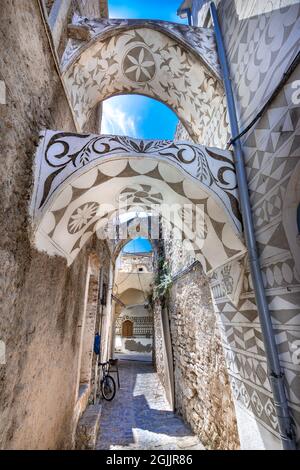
column 88, row 427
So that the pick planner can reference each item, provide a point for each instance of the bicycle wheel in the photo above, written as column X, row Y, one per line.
column 108, row 388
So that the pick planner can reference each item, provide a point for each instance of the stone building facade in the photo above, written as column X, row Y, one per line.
column 133, row 323
column 138, row 338
column 137, row 262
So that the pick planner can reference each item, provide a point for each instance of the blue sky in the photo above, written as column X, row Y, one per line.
column 138, row 245
column 139, row 116
column 133, row 115
column 145, row 9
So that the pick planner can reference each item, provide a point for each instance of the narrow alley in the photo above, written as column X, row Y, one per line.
column 150, row 214
column 139, row 417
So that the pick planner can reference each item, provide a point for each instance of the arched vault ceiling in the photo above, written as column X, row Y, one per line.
column 126, row 281
column 82, row 180
column 174, row 64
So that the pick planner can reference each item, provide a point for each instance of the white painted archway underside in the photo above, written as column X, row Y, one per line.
column 82, row 180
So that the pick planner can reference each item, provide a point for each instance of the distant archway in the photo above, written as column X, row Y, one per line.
column 131, row 296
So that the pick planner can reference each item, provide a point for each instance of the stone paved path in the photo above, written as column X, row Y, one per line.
column 139, row 417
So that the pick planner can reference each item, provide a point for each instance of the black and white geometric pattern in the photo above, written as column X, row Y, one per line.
column 82, row 180
column 174, row 64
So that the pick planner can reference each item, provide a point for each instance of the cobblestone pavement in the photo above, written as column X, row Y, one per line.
column 139, row 417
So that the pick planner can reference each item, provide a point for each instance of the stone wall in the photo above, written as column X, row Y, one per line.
column 202, row 389
column 162, row 352
column 158, row 348
column 84, row 8
column 39, row 311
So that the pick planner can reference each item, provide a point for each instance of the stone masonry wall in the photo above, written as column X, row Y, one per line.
column 39, row 310
column 158, row 350
column 202, row 390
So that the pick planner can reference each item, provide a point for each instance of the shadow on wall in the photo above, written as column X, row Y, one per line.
column 137, row 346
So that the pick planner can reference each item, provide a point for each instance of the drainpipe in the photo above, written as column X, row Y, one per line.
column 188, row 13
column 275, row 372
column 189, row 16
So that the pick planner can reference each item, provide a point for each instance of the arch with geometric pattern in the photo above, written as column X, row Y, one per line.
column 175, row 64
column 82, row 181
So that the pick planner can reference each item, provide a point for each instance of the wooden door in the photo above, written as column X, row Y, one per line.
column 127, row 328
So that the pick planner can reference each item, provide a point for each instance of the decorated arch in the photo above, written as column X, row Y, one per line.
column 175, row 64
column 82, row 181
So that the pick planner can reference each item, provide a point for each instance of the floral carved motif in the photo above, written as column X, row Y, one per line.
column 139, row 65
column 82, row 216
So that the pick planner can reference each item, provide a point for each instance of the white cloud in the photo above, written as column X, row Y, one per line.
column 117, row 120
column 121, row 12
column 123, row 217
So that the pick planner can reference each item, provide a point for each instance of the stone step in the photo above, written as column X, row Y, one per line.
column 88, row 427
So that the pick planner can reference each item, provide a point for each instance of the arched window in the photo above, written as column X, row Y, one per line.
column 127, row 328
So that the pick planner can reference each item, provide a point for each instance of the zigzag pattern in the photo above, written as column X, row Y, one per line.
column 245, row 338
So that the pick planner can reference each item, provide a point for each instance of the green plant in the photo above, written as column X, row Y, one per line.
column 163, row 280
column 150, row 300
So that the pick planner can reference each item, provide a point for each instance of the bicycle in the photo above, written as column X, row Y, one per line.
column 107, row 383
